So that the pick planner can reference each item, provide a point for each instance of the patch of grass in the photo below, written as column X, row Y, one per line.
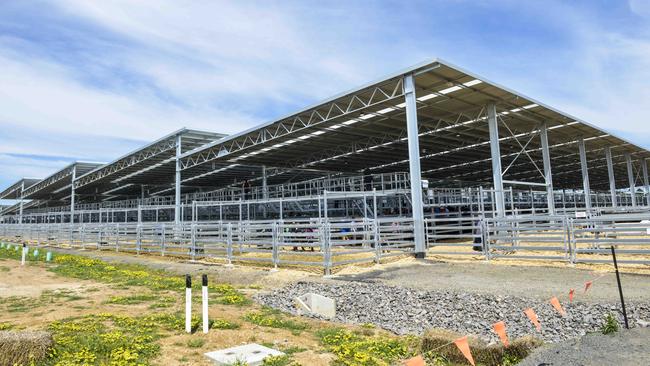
column 124, row 275
column 357, row 350
column 4, row 269
column 196, row 343
column 6, row 326
column 223, row 324
column 131, row 299
column 60, row 294
column 274, row 319
column 104, row 339
column 283, row 360
column 610, row 325
column 19, row 304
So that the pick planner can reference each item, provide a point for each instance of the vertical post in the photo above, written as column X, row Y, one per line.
column 630, row 178
column 22, row 189
column 177, row 183
column 646, row 182
column 495, row 150
column 265, row 190
column 610, row 173
column 72, row 193
column 414, row 165
column 204, row 297
column 548, row 176
column 585, row 174
column 188, row 303
column 620, row 288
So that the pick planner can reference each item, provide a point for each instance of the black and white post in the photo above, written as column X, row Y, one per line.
column 205, row 303
column 188, row 303
column 22, row 259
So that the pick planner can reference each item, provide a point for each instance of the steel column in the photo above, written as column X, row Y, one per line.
column 610, row 173
column 177, row 183
column 22, row 188
column 495, row 151
column 646, row 182
column 585, row 173
column 414, row 165
column 630, row 178
column 72, row 193
column 548, row 176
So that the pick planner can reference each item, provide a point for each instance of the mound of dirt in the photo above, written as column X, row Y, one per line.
column 624, row 348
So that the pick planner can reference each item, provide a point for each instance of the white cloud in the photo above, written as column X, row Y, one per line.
column 640, row 7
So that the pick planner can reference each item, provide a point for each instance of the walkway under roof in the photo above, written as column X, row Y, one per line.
column 152, row 167
column 364, row 130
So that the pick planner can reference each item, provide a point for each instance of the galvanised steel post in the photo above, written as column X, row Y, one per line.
column 610, row 173
column 177, row 184
column 22, row 188
column 548, row 176
column 630, row 178
column 72, row 193
column 414, row 165
column 495, row 151
column 646, row 182
column 585, row 174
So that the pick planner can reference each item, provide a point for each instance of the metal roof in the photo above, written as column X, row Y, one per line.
column 15, row 190
column 152, row 165
column 57, row 186
column 365, row 130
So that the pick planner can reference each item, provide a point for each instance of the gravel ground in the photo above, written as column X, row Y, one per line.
column 625, row 348
column 409, row 311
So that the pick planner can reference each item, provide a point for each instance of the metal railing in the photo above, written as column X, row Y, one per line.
column 333, row 242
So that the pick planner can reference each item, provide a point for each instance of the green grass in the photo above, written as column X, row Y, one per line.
column 196, row 342
column 610, row 325
column 352, row 349
column 122, row 276
column 131, row 299
column 274, row 319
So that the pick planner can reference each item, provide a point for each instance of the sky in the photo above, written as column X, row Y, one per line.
column 93, row 80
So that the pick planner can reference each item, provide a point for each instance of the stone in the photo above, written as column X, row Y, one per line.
column 251, row 354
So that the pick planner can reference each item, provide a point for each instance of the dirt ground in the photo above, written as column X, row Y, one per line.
column 35, row 297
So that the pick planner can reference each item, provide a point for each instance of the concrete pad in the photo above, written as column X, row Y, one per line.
column 252, row 354
column 316, row 304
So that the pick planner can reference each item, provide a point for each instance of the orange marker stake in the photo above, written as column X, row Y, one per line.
column 571, row 292
column 415, row 361
column 556, row 304
column 463, row 346
column 530, row 313
column 500, row 330
column 587, row 286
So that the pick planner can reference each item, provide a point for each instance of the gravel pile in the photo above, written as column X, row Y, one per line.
column 407, row 311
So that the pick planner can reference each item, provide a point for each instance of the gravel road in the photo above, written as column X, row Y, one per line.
column 625, row 348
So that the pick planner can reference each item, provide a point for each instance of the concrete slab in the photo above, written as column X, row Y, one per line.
column 252, row 354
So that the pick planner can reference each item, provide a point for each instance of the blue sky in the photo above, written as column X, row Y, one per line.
column 92, row 80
